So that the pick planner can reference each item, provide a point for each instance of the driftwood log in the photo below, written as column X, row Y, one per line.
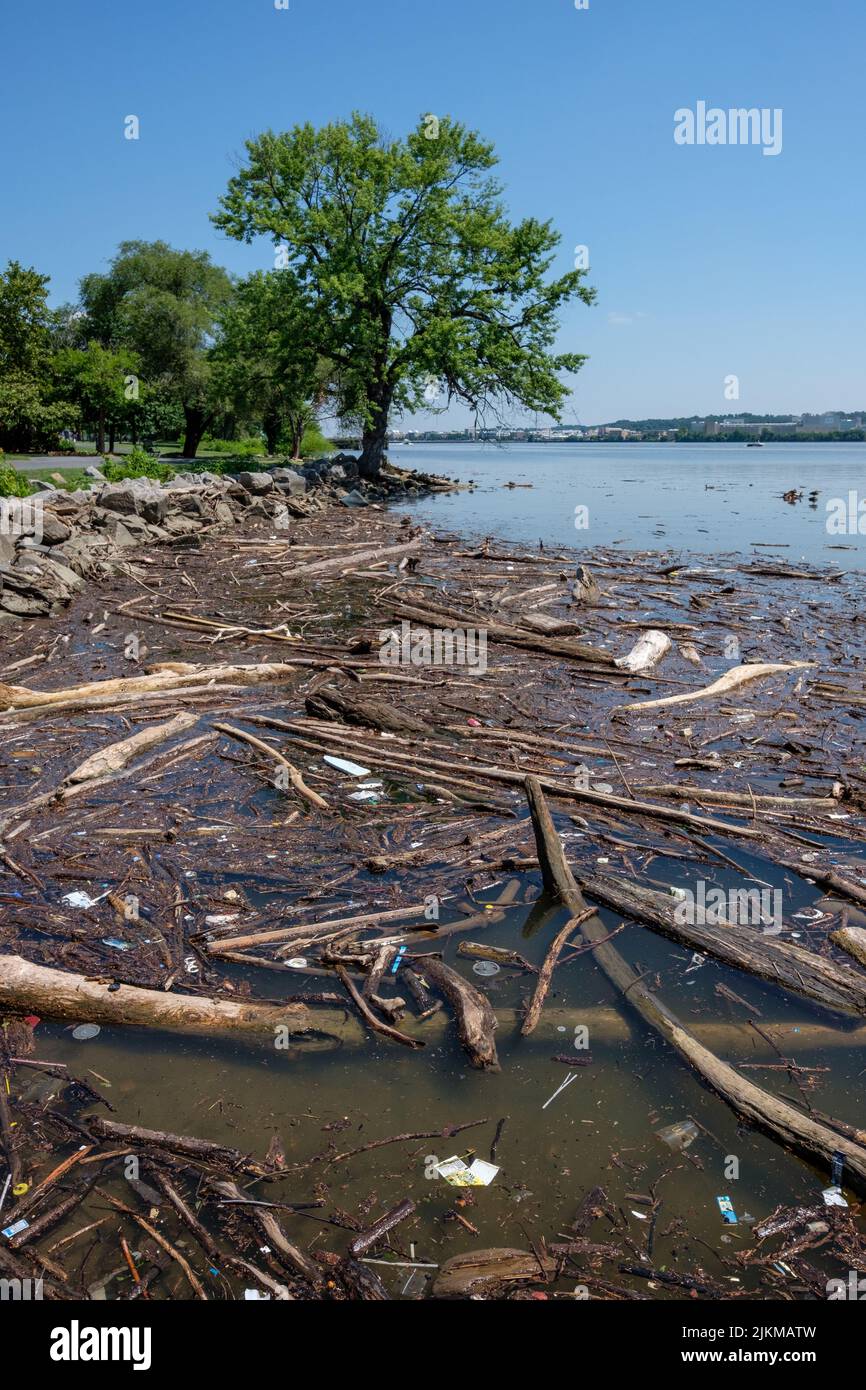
column 784, row 963
column 476, row 1021
column 774, row 1117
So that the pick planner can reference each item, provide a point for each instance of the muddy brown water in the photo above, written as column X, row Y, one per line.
column 601, row 1131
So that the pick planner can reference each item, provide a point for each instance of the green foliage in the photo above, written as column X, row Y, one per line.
column 419, row 288
column 314, row 444
column 137, row 464
column 13, row 483
column 253, row 447
column 30, row 416
column 162, row 304
column 96, row 378
column 266, row 361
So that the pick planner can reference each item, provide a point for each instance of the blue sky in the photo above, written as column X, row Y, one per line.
column 709, row 261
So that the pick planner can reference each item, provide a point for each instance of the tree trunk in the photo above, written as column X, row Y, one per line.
column 111, row 433
column 100, row 432
column 196, row 422
column 373, row 439
column 271, row 427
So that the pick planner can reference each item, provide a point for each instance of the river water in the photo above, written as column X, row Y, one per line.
column 709, row 498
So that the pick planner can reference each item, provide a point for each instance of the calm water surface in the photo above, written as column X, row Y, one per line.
column 710, row 498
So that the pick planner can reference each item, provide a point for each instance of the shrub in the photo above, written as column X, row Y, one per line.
column 13, row 483
column 136, row 464
column 252, row 447
column 314, row 443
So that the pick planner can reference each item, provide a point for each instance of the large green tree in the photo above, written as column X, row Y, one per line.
column 420, row 282
column 163, row 305
column 266, row 362
column 96, row 379
column 31, row 415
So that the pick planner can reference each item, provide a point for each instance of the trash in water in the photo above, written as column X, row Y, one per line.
column 400, row 954
column 836, row 1170
column 833, row 1197
column 477, row 1174
column 365, row 796
column 485, row 967
column 572, row 1076
column 680, row 1135
column 726, row 1207
column 342, row 765
column 116, row 944
column 85, row 1031
column 10, row 1231
column 297, row 963
column 79, row 899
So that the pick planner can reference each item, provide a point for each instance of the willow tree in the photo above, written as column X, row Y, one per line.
column 422, row 288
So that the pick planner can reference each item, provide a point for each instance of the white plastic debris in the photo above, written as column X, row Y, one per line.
column 833, row 1197
column 79, row 899
column 85, row 1031
column 477, row 1174
column 343, row 765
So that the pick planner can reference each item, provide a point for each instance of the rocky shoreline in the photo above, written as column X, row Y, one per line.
column 52, row 542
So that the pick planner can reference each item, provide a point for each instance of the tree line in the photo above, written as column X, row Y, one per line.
column 399, row 283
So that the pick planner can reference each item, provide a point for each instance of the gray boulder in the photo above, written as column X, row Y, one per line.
column 290, row 480
column 54, row 531
column 256, row 483
column 135, row 497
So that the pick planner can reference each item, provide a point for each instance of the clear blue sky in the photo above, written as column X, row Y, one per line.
column 708, row 261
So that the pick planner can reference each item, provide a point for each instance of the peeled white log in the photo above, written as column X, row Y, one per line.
column 647, row 651
column 164, row 676
column 737, row 676
column 116, row 755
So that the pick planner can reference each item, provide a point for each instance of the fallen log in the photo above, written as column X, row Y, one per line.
column 825, row 878
column 773, row 1116
column 852, row 940
column 116, row 755
column 362, row 1243
column 511, row 636
column 202, row 1151
column 57, row 994
column 545, row 975
column 782, row 962
column 463, row 1275
column 292, row 772
column 163, row 676
column 476, row 1021
column 373, row 714
column 647, row 652
column 731, row 680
